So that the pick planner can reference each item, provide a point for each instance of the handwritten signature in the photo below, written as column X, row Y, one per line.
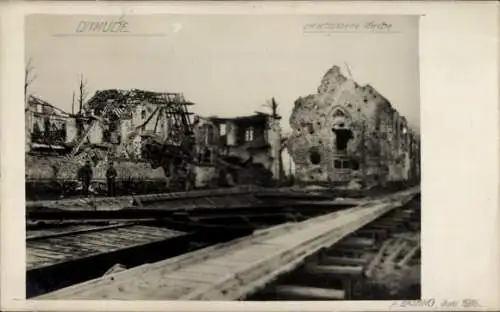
column 430, row 303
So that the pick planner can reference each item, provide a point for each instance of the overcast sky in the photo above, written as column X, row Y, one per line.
column 227, row 65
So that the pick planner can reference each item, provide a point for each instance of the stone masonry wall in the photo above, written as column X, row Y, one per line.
column 42, row 168
column 343, row 105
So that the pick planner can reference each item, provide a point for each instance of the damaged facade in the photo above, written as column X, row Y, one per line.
column 348, row 132
column 240, row 150
column 120, row 117
column 114, row 124
column 151, row 136
column 46, row 126
column 130, row 117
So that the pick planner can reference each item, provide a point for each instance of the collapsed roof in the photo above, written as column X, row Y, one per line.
column 127, row 99
column 47, row 108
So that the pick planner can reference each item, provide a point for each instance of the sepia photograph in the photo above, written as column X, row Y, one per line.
column 222, row 157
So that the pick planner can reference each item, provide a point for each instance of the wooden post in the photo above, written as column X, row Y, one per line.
column 347, row 283
column 302, row 292
column 376, row 260
column 408, row 257
column 335, row 270
column 357, row 242
column 343, row 261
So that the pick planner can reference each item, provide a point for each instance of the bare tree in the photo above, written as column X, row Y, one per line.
column 73, row 104
column 273, row 106
column 29, row 77
column 83, row 93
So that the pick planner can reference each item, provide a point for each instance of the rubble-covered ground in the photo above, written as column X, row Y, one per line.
column 391, row 283
column 390, row 280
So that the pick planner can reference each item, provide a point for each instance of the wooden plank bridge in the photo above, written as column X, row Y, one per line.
column 235, row 269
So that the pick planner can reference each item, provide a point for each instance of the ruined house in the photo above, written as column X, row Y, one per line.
column 47, row 128
column 348, row 132
column 131, row 115
column 243, row 150
column 113, row 124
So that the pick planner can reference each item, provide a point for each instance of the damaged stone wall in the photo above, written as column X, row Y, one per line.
column 255, row 157
column 274, row 139
column 347, row 132
column 206, row 148
column 50, row 167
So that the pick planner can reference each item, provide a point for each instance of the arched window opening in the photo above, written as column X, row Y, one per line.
column 338, row 113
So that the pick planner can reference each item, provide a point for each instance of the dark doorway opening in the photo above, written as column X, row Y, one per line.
column 342, row 137
column 354, row 164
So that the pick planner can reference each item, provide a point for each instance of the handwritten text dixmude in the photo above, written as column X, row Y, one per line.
column 118, row 25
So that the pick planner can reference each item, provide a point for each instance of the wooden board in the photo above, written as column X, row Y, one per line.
column 53, row 250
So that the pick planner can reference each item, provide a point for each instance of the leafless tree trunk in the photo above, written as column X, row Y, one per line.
column 73, row 104
column 29, row 77
column 274, row 108
column 83, row 93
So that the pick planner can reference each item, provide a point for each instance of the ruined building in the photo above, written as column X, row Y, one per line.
column 46, row 126
column 348, row 132
column 239, row 150
column 152, row 136
column 114, row 124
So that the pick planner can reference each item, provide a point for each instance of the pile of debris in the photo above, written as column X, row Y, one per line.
column 395, row 270
column 132, row 97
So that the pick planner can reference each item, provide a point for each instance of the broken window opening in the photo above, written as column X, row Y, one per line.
column 207, row 156
column 143, row 114
column 344, row 164
column 249, row 134
column 314, row 157
column 354, row 164
column 222, row 129
column 209, row 134
column 342, row 137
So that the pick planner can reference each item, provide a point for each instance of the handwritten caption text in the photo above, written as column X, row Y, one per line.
column 431, row 303
column 373, row 27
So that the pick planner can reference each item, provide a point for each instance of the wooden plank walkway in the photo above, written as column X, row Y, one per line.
column 233, row 270
column 66, row 230
column 120, row 202
column 47, row 249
